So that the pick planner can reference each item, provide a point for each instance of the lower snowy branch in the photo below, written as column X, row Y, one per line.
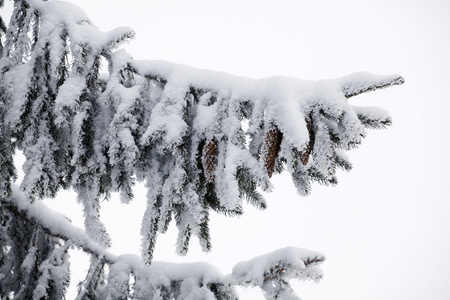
column 53, row 224
column 271, row 272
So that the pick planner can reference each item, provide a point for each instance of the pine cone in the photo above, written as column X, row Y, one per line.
column 272, row 146
column 304, row 155
column 209, row 159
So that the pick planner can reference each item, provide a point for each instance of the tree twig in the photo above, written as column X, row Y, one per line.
column 358, row 83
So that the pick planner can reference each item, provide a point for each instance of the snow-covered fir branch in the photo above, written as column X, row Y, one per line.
column 161, row 279
column 177, row 128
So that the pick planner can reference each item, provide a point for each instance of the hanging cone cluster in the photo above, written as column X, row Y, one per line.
column 304, row 155
column 272, row 146
column 209, row 159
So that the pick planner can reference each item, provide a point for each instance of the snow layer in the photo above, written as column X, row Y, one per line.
column 194, row 277
column 284, row 98
column 292, row 263
column 60, row 226
column 57, row 224
column 79, row 26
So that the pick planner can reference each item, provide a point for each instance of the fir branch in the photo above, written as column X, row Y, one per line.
column 57, row 226
column 358, row 83
column 278, row 270
column 38, row 214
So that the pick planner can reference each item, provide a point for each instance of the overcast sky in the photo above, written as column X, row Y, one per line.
column 385, row 229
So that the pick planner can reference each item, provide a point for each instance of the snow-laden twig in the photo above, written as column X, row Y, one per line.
column 362, row 82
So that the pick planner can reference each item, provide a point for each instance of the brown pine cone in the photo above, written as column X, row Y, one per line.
column 209, row 159
column 272, row 146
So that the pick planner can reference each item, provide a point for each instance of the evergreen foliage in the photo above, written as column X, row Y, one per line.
column 177, row 128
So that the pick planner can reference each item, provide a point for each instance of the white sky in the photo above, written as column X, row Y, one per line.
column 385, row 229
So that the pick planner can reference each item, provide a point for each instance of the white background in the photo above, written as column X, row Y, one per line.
column 385, row 229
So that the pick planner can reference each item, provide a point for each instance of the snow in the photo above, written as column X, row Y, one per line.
column 54, row 270
column 372, row 113
column 166, row 120
column 52, row 10
column 81, row 30
column 60, row 225
column 255, row 271
column 69, row 93
column 56, row 223
column 283, row 99
column 17, row 82
column 194, row 277
column 179, row 271
column 362, row 82
column 288, row 103
column 207, row 115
